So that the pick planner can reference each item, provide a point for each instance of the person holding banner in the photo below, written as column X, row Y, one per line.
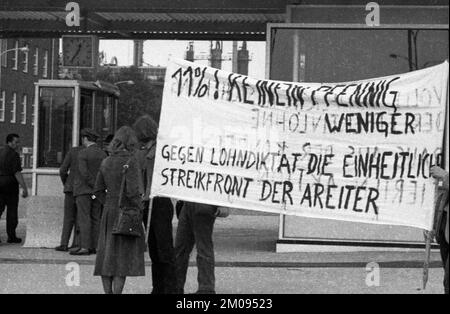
column 195, row 227
column 442, row 232
column 160, row 234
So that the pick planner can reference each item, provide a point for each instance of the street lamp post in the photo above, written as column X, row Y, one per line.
column 23, row 49
column 100, row 84
column 124, row 82
column 412, row 65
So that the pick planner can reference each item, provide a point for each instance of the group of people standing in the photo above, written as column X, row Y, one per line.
column 92, row 185
column 82, row 210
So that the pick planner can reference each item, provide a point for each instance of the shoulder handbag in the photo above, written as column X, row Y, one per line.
column 129, row 221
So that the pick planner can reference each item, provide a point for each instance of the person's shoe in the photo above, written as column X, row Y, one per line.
column 62, row 248
column 205, row 292
column 74, row 249
column 92, row 251
column 15, row 240
column 81, row 252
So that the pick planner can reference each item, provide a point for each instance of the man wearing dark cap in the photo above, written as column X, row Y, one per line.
column 89, row 208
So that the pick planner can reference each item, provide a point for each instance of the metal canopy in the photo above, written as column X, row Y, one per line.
column 144, row 19
column 160, row 19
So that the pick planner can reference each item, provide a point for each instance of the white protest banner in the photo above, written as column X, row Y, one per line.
column 356, row 151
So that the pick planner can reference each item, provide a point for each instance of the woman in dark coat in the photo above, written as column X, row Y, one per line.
column 119, row 256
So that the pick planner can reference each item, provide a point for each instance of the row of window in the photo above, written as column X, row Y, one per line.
column 25, row 64
column 15, row 103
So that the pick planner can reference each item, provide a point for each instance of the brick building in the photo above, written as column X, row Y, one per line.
column 18, row 72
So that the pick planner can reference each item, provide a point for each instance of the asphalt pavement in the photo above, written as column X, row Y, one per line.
column 246, row 262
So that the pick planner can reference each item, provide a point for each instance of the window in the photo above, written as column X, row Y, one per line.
column 36, row 62
column 25, row 60
column 23, row 116
column 45, row 66
column 16, row 56
column 86, row 109
column 13, row 108
column 2, row 106
column 4, row 47
column 357, row 53
column 55, row 125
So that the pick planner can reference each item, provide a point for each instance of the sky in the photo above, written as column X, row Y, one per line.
column 157, row 52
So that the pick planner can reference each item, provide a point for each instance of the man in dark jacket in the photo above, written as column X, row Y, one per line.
column 89, row 208
column 160, row 235
column 10, row 179
column 68, row 171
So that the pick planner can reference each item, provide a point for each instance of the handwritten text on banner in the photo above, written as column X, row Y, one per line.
column 355, row 151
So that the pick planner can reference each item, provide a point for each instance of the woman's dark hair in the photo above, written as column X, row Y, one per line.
column 124, row 139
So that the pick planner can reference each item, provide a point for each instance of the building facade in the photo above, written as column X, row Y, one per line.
column 19, row 71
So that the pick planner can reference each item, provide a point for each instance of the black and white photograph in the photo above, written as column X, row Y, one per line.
column 224, row 154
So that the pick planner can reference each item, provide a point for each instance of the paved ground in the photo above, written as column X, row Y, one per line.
column 50, row 278
column 246, row 263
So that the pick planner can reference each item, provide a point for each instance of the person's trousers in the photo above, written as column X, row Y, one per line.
column 89, row 212
column 444, row 254
column 160, row 245
column 70, row 220
column 10, row 201
column 446, row 275
column 195, row 227
column 444, row 250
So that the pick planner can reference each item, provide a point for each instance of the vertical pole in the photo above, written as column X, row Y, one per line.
column 76, row 117
column 426, row 265
column 446, row 134
column 149, row 218
column 234, row 59
column 52, row 74
column 35, row 139
column 410, row 50
column 1, row 57
column 296, row 57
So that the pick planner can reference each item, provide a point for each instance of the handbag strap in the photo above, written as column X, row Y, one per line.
column 122, row 183
column 144, row 168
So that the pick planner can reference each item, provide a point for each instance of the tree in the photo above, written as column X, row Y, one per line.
column 143, row 97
